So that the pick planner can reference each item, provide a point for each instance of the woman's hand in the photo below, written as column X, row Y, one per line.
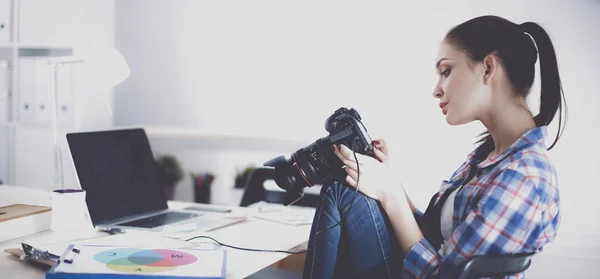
column 376, row 179
column 381, row 146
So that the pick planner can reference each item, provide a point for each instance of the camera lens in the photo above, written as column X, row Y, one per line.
column 317, row 161
column 286, row 173
column 308, row 166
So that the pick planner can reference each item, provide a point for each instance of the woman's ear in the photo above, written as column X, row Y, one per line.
column 490, row 64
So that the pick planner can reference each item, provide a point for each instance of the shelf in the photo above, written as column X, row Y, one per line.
column 34, row 50
column 35, row 46
column 192, row 138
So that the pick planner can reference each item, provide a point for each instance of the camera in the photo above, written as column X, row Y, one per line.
column 317, row 163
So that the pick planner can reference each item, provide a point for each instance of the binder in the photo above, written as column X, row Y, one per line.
column 27, row 104
column 40, row 75
column 87, row 262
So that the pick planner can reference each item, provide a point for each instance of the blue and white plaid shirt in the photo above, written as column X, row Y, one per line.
column 507, row 209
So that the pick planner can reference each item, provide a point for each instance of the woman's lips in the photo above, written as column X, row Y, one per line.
column 443, row 106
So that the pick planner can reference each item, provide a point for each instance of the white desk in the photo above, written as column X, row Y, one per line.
column 252, row 233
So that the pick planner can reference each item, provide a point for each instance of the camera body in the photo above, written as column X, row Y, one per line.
column 317, row 163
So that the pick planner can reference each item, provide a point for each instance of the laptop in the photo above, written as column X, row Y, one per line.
column 118, row 171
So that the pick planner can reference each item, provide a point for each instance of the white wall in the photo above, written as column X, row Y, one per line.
column 34, row 161
column 99, row 24
column 93, row 112
column 214, row 65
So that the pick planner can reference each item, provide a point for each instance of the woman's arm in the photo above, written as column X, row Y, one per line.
column 400, row 210
column 410, row 204
column 382, row 146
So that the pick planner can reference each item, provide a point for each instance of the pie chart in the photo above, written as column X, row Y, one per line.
column 144, row 261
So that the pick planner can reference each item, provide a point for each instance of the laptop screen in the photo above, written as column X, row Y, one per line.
column 117, row 170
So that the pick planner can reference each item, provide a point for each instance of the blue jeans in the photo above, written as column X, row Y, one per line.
column 363, row 245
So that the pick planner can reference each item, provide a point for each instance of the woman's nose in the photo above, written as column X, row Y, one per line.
column 437, row 92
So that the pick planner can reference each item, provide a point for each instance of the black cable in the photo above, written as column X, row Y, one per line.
column 246, row 249
column 316, row 234
column 349, row 204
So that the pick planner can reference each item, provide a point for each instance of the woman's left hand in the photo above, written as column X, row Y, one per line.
column 376, row 179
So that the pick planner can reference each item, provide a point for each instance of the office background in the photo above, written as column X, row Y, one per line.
column 268, row 74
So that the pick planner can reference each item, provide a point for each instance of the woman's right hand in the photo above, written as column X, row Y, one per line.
column 380, row 144
column 384, row 158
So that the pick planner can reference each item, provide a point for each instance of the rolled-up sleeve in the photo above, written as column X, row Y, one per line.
column 422, row 259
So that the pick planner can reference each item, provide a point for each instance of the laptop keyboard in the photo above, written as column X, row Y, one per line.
column 159, row 220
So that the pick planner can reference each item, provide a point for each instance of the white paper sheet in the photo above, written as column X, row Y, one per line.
column 56, row 244
column 146, row 261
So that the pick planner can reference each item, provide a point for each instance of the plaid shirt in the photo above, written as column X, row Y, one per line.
column 507, row 209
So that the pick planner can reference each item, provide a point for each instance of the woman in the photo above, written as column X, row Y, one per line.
column 504, row 199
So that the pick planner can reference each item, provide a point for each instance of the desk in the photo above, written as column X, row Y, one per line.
column 252, row 233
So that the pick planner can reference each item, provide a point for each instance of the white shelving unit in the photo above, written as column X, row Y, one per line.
column 22, row 44
column 41, row 47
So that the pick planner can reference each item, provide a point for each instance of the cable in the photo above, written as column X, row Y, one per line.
column 349, row 205
column 246, row 249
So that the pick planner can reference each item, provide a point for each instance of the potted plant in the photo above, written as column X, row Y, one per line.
column 170, row 173
column 241, row 177
column 202, row 185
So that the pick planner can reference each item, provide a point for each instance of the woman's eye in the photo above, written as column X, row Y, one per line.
column 445, row 73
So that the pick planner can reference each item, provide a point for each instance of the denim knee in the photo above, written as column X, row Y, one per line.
column 336, row 192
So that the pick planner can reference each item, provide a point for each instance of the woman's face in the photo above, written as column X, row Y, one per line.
column 461, row 89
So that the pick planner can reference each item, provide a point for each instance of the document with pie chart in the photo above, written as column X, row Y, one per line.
column 190, row 263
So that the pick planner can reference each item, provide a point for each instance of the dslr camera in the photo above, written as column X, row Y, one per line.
column 317, row 162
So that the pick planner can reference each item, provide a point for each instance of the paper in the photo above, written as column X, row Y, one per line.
column 57, row 244
column 144, row 261
column 178, row 228
column 141, row 239
column 288, row 218
column 202, row 225
column 286, row 215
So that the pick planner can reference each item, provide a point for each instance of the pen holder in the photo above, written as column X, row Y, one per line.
column 69, row 212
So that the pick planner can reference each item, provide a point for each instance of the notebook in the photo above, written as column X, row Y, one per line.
column 118, row 171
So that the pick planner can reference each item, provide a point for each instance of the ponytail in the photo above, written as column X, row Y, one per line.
column 552, row 97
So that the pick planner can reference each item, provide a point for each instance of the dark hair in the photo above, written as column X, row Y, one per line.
column 517, row 47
